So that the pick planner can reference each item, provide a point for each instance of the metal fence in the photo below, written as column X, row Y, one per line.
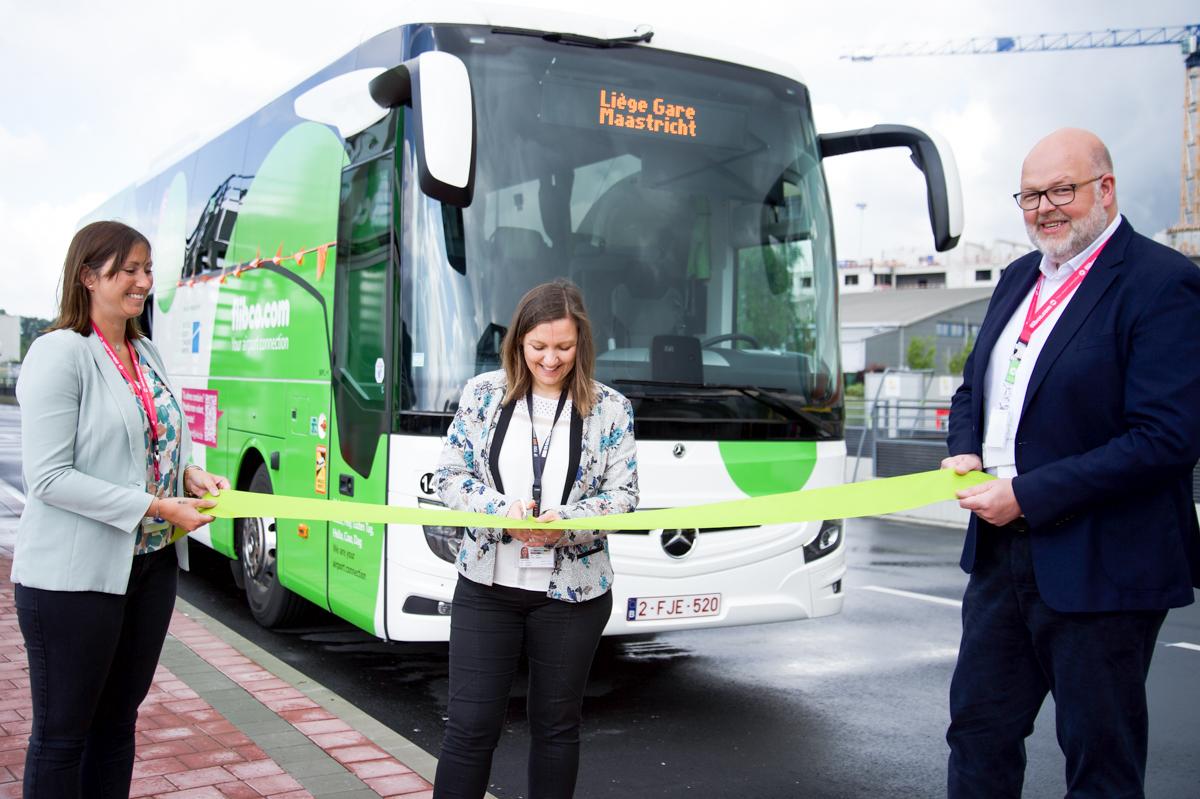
column 908, row 437
column 900, row 437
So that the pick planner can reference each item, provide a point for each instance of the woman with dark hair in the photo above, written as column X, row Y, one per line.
column 104, row 450
column 540, row 438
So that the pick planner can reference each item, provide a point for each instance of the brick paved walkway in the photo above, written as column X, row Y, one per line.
column 263, row 738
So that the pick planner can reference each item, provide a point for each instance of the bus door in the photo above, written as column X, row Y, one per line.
column 365, row 283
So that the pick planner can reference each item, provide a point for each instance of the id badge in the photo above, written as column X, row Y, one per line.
column 532, row 557
column 997, row 429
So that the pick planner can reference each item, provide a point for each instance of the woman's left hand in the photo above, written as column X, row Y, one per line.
column 546, row 538
column 198, row 482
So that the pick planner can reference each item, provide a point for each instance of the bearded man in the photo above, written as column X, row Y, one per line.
column 1081, row 399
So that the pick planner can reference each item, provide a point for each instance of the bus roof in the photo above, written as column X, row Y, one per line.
column 467, row 12
column 553, row 20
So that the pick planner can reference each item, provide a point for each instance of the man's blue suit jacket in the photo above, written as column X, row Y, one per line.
column 1109, row 432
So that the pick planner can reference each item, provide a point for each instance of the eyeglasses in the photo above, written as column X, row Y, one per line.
column 1057, row 195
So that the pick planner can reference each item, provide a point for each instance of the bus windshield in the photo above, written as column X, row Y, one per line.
column 684, row 196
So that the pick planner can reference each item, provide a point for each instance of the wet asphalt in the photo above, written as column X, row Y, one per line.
column 848, row 706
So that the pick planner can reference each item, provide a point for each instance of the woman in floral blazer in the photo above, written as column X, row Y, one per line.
column 544, row 593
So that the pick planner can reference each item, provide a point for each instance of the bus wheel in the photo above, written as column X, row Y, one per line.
column 270, row 603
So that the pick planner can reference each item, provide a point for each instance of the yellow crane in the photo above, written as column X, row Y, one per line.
column 1184, row 236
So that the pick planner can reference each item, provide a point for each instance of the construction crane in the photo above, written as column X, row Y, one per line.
column 1185, row 236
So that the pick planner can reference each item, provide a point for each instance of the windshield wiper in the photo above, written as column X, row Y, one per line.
column 578, row 38
column 759, row 394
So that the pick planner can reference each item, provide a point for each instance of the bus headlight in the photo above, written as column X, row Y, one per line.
column 827, row 540
column 443, row 541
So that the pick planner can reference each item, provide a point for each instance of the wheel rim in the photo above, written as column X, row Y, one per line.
column 258, row 549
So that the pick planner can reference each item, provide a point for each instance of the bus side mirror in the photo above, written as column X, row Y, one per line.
column 437, row 88
column 933, row 157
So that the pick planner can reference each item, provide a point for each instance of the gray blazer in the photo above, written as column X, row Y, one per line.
column 84, row 460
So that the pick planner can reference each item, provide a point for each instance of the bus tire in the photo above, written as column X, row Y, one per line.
column 270, row 603
column 235, row 568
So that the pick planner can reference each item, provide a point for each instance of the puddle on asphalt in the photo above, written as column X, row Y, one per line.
column 633, row 651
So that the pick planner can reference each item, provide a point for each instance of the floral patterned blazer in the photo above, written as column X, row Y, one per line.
column 605, row 481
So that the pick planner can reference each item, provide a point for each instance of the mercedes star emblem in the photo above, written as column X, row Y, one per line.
column 679, row 542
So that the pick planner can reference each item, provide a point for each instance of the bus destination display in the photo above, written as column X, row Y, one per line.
column 655, row 115
column 658, row 114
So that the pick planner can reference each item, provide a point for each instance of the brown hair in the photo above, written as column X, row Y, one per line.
column 91, row 248
column 549, row 302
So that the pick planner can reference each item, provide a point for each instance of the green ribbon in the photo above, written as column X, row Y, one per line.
column 870, row 498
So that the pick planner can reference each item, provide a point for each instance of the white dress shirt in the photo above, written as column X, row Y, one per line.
column 516, row 471
column 1002, row 461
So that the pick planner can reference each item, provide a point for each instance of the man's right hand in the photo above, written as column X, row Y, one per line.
column 963, row 463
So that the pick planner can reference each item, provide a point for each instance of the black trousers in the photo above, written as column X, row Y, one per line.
column 490, row 626
column 1015, row 649
column 91, row 660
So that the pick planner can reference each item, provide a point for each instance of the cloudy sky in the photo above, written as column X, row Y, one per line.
column 94, row 96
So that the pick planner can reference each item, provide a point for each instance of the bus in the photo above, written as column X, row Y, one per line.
column 331, row 270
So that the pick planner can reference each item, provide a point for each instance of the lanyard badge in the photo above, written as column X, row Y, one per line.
column 1035, row 315
column 141, row 389
column 531, row 557
column 541, row 453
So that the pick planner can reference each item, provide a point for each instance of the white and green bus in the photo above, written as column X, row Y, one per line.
column 331, row 270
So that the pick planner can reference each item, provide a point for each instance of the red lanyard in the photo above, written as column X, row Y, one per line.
column 141, row 390
column 1035, row 315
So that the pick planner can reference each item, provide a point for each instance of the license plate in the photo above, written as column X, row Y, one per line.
column 685, row 606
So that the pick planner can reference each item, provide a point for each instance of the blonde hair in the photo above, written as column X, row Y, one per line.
column 549, row 302
column 91, row 248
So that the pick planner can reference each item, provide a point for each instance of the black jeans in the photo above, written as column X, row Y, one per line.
column 489, row 628
column 91, row 660
column 1014, row 650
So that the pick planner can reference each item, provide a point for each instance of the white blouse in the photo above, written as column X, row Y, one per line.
column 516, row 472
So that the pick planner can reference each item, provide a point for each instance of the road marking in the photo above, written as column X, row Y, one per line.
column 12, row 491
column 1185, row 645
column 939, row 600
column 958, row 604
